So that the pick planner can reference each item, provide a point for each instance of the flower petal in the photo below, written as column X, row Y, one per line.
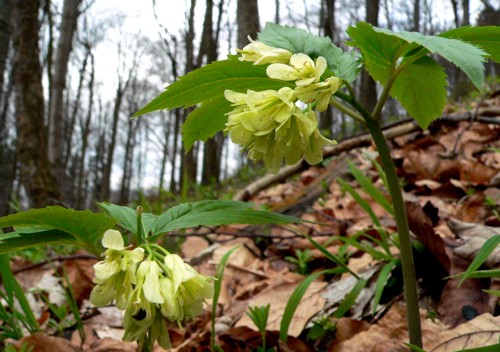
column 112, row 239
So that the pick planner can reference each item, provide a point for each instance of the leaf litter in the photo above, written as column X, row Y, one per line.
column 451, row 176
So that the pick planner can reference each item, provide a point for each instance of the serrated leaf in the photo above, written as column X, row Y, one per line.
column 379, row 50
column 215, row 213
column 467, row 57
column 210, row 81
column 205, row 121
column 295, row 40
column 421, row 90
column 126, row 217
column 19, row 240
column 85, row 227
column 421, row 81
column 485, row 37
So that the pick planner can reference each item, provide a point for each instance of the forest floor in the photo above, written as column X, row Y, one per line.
column 451, row 179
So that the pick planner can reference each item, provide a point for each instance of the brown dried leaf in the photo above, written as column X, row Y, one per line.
column 45, row 343
column 473, row 237
column 421, row 226
column 80, row 273
column 482, row 331
column 389, row 334
column 278, row 296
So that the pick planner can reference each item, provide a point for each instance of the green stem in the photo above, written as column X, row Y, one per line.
column 407, row 264
column 346, row 110
column 377, row 111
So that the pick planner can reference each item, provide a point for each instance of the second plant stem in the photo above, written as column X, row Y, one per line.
column 407, row 263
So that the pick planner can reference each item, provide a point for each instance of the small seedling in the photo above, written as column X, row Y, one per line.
column 259, row 316
column 302, row 259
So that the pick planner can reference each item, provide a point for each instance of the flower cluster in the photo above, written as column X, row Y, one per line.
column 269, row 123
column 149, row 288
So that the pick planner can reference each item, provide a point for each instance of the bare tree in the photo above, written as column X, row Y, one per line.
column 368, row 88
column 36, row 176
column 125, row 76
column 247, row 17
column 416, row 16
column 60, row 69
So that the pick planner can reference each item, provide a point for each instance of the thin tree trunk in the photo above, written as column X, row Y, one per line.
column 36, row 176
column 64, row 46
column 247, row 17
column 466, row 13
column 85, row 128
column 416, row 16
column 6, row 7
column 368, row 96
column 189, row 165
column 328, row 20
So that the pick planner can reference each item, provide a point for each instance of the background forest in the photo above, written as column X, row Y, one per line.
column 72, row 73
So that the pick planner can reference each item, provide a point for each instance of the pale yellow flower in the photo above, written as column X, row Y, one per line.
column 260, row 53
column 320, row 92
column 115, row 275
column 301, row 69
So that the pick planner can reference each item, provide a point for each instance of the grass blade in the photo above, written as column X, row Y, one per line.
column 488, row 247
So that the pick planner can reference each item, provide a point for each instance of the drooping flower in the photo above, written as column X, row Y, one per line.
column 301, row 69
column 190, row 288
column 260, row 53
column 321, row 92
column 115, row 275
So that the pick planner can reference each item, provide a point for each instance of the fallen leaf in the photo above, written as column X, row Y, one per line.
column 473, row 237
column 389, row 333
column 480, row 332
column 41, row 342
column 278, row 296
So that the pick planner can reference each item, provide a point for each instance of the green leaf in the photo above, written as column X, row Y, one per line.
column 219, row 275
column 466, row 56
column 361, row 202
column 331, row 256
column 485, row 37
column 350, row 299
column 126, row 217
column 380, row 51
column 27, row 238
column 419, row 81
column 421, row 90
column 81, row 228
column 488, row 247
column 383, row 276
column 343, row 65
column 210, row 81
column 370, row 188
column 12, row 288
column 296, row 297
column 215, row 213
column 205, row 121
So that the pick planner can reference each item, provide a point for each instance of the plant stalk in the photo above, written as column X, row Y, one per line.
column 407, row 264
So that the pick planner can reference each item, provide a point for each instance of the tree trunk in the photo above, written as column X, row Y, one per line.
column 6, row 7
column 328, row 21
column 56, row 119
column 466, row 13
column 188, row 168
column 85, row 130
column 368, row 96
column 213, row 146
column 416, row 16
column 36, row 176
column 247, row 17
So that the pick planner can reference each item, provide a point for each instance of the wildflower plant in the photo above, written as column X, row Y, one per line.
column 151, row 285
column 268, row 96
